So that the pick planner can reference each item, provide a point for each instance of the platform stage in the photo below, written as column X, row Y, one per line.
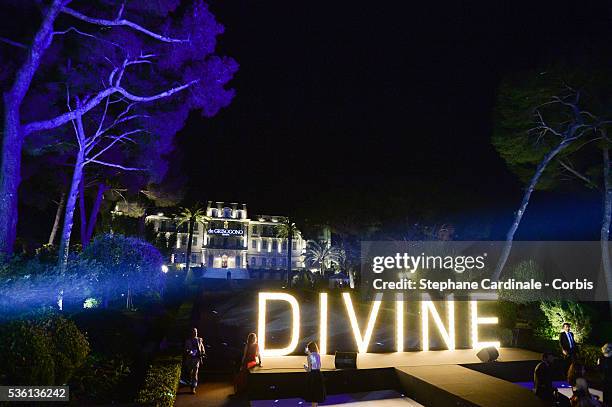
column 433, row 378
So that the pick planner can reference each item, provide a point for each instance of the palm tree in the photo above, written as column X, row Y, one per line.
column 288, row 230
column 322, row 255
column 191, row 216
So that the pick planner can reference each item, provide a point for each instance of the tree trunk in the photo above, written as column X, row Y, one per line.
column 82, row 211
column 605, row 225
column 289, row 242
column 10, row 174
column 72, row 198
column 189, row 242
column 521, row 211
column 69, row 213
column 93, row 216
column 10, row 165
column 58, row 217
column 142, row 225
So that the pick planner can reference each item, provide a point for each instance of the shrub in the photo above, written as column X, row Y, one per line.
column 70, row 346
column 45, row 349
column 130, row 265
column 160, row 383
column 25, row 284
column 110, row 332
column 524, row 271
column 100, row 380
column 558, row 312
column 589, row 354
column 26, row 354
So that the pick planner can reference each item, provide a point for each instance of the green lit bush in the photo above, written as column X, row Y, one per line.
column 160, row 383
column 558, row 312
column 101, row 380
column 42, row 350
column 589, row 354
column 26, row 354
column 70, row 346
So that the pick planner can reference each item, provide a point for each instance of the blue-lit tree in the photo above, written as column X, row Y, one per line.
column 129, row 266
column 548, row 125
column 142, row 52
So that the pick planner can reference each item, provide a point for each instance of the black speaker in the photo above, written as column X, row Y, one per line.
column 489, row 354
column 346, row 360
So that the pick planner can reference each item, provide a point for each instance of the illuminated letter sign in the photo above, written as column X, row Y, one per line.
column 399, row 322
column 362, row 343
column 447, row 335
column 323, row 324
column 476, row 320
column 362, row 339
column 295, row 333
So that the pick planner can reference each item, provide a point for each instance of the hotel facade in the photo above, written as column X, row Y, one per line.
column 230, row 239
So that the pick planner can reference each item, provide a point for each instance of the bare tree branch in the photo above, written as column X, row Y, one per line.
column 117, row 166
column 121, row 22
column 577, row 174
column 112, row 143
column 95, row 37
column 95, row 101
column 169, row 92
column 13, row 43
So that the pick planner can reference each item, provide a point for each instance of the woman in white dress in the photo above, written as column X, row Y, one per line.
column 315, row 388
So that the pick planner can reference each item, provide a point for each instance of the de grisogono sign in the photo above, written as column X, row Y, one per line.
column 226, row 232
column 362, row 338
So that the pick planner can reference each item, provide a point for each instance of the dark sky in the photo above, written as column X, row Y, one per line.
column 373, row 105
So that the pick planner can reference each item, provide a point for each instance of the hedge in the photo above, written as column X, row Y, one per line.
column 161, row 382
column 589, row 354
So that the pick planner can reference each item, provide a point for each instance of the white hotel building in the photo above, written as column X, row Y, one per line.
column 232, row 240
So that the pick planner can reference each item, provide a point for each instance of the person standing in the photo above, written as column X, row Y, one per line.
column 194, row 355
column 315, row 388
column 605, row 366
column 543, row 378
column 568, row 343
column 576, row 371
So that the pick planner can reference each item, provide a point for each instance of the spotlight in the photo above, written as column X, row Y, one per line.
column 164, row 268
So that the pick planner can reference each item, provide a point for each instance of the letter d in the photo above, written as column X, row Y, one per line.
column 261, row 334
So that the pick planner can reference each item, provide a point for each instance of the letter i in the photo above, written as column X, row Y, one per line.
column 399, row 322
column 323, row 324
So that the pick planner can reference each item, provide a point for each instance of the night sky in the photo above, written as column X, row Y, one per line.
column 373, row 105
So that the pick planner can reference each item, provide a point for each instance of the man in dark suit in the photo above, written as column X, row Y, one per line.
column 543, row 382
column 543, row 378
column 567, row 342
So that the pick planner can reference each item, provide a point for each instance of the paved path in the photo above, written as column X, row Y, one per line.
column 217, row 392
